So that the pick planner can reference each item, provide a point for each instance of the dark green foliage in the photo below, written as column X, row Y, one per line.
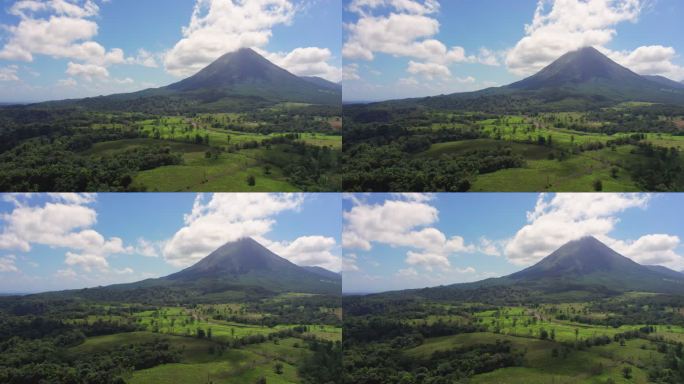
column 53, row 163
column 35, row 354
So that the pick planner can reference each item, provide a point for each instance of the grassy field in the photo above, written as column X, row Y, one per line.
column 224, row 136
column 539, row 140
column 215, row 359
column 594, row 365
column 553, row 358
column 576, row 173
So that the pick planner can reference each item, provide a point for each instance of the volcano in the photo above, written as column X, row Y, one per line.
column 237, row 270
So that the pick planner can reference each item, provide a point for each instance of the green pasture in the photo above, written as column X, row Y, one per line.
column 576, row 173
column 593, row 365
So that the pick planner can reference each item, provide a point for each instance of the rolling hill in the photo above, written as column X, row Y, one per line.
column 237, row 270
column 585, row 265
column 235, row 81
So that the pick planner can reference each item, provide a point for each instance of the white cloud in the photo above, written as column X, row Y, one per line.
column 225, row 217
column 401, row 35
column 489, row 57
column 555, row 221
column 407, row 272
column 307, row 61
column 402, row 223
column 65, row 221
column 351, row 72
column 66, row 273
column 87, row 71
column 7, row 264
column 144, row 58
column 221, row 26
column 69, row 83
column 658, row 249
column 403, row 28
column 349, row 263
column 649, row 60
column 410, row 81
column 147, row 248
column 429, row 70
column 308, row 251
column 466, row 270
column 489, row 247
column 9, row 73
column 63, row 29
column 568, row 25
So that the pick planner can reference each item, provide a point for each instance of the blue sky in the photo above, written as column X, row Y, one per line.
column 60, row 241
column 406, row 48
column 124, row 45
column 398, row 241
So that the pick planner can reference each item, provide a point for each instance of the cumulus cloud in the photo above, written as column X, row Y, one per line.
column 489, row 247
column 658, row 249
column 571, row 24
column 9, row 73
column 307, row 61
column 351, row 72
column 308, row 251
column 489, row 57
column 147, row 248
column 349, row 263
column 62, row 29
column 144, row 58
column 429, row 70
column 407, row 31
column 404, row 222
column 225, row 217
column 564, row 217
column 649, row 60
column 7, row 264
column 220, row 26
column 87, row 71
column 64, row 221
column 568, row 25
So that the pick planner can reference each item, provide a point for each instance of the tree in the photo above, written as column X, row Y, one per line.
column 553, row 334
column 251, row 181
column 614, row 172
column 278, row 368
column 209, row 333
column 598, row 185
column 261, row 380
column 543, row 334
column 627, row 372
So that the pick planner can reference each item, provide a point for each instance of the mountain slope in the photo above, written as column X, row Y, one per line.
column 235, row 271
column 580, row 79
column 246, row 73
column 324, row 273
column 248, row 262
column 583, row 267
column 580, row 258
column 587, row 262
column 662, row 80
column 239, row 80
column 577, row 68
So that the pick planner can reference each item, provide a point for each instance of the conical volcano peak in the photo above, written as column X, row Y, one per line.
column 246, row 73
column 246, row 261
column 582, row 256
column 581, row 67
